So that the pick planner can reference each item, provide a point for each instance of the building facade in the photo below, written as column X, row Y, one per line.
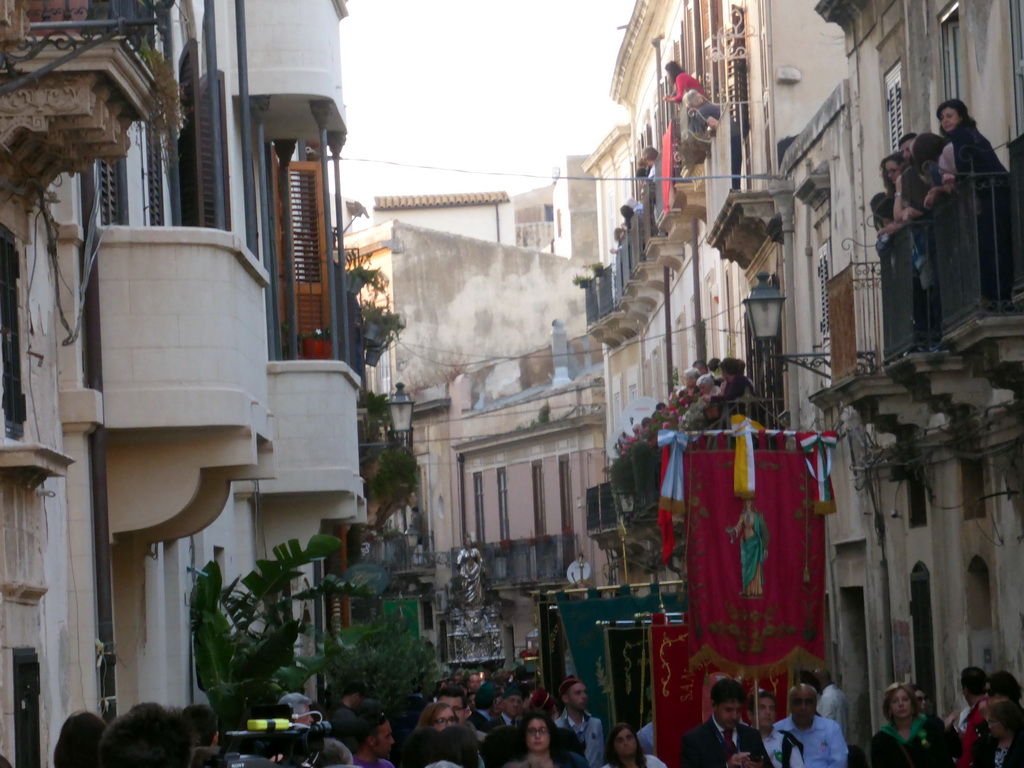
column 156, row 416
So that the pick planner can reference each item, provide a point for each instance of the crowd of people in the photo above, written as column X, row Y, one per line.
column 477, row 719
column 699, row 403
column 927, row 169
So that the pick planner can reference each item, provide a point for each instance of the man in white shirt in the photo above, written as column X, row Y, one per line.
column 833, row 703
column 824, row 745
column 783, row 748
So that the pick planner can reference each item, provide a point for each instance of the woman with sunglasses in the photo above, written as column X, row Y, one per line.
column 908, row 740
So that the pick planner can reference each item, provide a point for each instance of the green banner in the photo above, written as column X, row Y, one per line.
column 580, row 619
column 407, row 610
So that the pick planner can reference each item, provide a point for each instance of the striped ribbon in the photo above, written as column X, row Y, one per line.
column 818, row 448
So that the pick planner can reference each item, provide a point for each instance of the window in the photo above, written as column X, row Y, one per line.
column 1017, row 38
column 113, row 201
column 972, row 488
column 921, row 621
column 894, row 106
column 10, row 340
column 565, row 492
column 503, row 525
column 538, row 498
column 824, row 273
column 549, row 212
column 478, row 505
column 952, row 48
column 917, row 501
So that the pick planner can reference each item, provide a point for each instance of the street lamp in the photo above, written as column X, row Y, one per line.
column 764, row 308
column 400, row 405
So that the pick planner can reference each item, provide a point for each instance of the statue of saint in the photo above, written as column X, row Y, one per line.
column 752, row 533
column 471, row 569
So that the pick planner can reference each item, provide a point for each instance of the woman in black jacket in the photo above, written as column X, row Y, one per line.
column 908, row 740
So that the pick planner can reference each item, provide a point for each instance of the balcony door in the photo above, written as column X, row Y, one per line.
column 921, row 621
column 539, row 527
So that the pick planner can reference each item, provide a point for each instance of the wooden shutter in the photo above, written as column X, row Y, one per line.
column 10, row 339
column 309, row 251
column 206, row 154
column 894, row 105
column 109, row 196
column 154, row 177
column 189, row 176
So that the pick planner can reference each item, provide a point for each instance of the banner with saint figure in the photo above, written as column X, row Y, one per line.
column 755, row 566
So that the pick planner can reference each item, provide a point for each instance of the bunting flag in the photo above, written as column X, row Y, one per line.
column 668, row 149
column 818, row 448
column 673, row 493
column 755, row 565
column 744, row 476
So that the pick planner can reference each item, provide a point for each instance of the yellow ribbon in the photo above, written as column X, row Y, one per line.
column 744, row 480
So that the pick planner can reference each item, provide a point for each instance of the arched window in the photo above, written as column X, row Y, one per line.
column 921, row 620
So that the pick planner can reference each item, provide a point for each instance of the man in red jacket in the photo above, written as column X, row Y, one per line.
column 965, row 723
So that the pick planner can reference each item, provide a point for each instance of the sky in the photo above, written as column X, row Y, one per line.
column 478, row 85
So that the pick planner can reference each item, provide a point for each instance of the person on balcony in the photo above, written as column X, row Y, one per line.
column 737, row 384
column 698, row 415
column 704, row 116
column 689, row 392
column 683, row 82
column 970, row 154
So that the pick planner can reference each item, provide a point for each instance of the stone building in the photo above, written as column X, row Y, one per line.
column 156, row 416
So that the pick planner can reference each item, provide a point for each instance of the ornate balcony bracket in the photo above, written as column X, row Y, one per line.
column 815, row 362
column 742, row 226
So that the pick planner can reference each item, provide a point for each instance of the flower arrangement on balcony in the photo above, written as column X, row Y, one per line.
column 317, row 345
column 505, row 544
column 583, row 280
column 381, row 328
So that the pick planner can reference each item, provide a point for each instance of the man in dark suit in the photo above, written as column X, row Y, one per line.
column 723, row 741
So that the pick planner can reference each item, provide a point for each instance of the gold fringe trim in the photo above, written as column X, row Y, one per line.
column 824, row 507
column 797, row 657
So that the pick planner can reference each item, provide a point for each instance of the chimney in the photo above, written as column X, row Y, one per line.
column 560, row 354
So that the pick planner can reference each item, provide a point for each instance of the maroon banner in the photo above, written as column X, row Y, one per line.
column 755, row 567
column 676, row 690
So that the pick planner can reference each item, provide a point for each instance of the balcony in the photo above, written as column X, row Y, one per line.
column 74, row 84
column 601, row 513
column 313, row 411
column 743, row 225
column 401, row 557
column 948, row 344
column 526, row 563
column 621, row 298
column 295, row 59
column 185, row 375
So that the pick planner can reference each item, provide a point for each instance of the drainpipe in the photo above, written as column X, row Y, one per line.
column 252, row 238
column 321, row 112
column 284, row 149
column 213, row 107
column 173, row 179
column 698, row 315
column 98, row 472
column 259, row 107
column 461, row 459
column 782, row 194
column 668, row 328
column 335, row 141
column 497, row 223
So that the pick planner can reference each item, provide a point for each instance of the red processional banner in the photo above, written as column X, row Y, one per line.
column 668, row 149
column 755, row 564
column 681, row 695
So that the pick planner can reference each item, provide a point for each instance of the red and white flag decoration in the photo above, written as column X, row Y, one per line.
column 818, row 448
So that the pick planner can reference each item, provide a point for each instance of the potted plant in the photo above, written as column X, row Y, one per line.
column 317, row 345
column 361, row 276
column 381, row 326
column 505, row 544
column 583, row 281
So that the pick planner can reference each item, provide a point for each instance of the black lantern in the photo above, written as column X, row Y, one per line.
column 400, row 405
column 764, row 308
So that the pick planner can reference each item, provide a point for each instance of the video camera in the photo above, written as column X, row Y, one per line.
column 266, row 738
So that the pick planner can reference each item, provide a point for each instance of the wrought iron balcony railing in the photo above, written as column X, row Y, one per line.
column 515, row 562
column 955, row 266
column 400, row 555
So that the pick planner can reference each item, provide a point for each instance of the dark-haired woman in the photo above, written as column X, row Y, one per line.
column 543, row 749
column 973, row 155
column 79, row 741
column 683, row 82
column 1003, row 747
column 622, row 750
